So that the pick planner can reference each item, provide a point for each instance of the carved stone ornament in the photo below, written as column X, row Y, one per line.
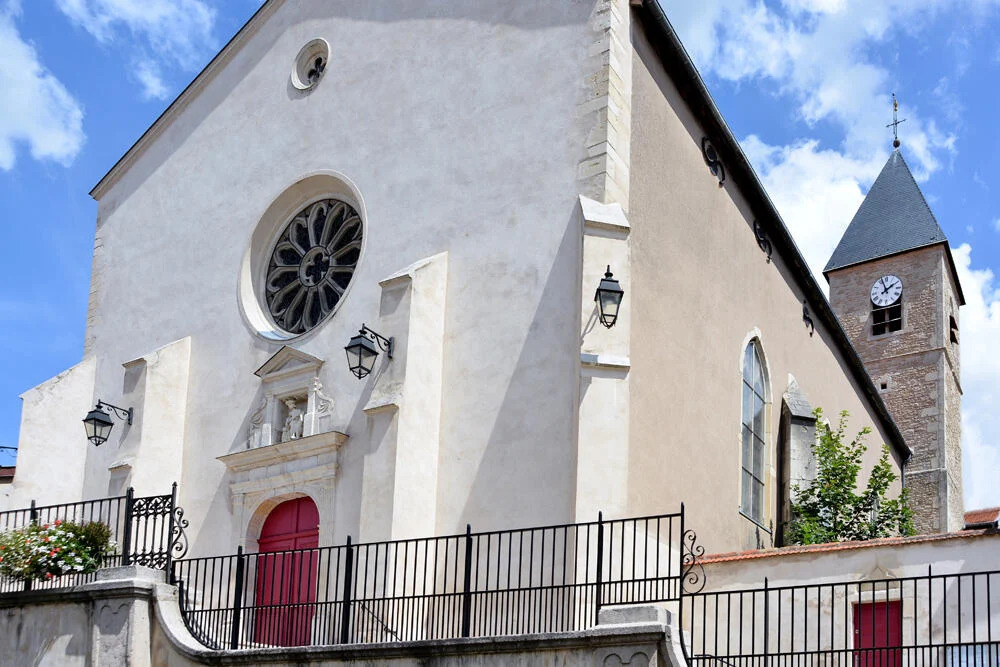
column 293, row 405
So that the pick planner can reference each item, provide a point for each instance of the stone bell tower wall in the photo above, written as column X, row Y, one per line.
column 917, row 371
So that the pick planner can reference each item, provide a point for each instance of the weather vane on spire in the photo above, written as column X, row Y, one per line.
column 895, row 121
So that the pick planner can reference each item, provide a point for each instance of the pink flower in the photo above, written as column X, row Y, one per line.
column 58, row 522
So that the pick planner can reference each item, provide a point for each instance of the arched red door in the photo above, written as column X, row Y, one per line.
column 286, row 574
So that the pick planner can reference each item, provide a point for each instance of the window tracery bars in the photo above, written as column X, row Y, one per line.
column 312, row 264
column 753, row 442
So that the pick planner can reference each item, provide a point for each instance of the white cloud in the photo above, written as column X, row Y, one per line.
column 817, row 192
column 37, row 110
column 996, row 224
column 980, row 327
column 149, row 76
column 161, row 33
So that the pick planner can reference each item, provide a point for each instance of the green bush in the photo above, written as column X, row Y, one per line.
column 46, row 551
column 829, row 508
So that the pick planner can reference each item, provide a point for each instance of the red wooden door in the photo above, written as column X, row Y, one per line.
column 878, row 631
column 286, row 579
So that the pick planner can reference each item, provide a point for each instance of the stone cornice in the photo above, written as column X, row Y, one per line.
column 292, row 450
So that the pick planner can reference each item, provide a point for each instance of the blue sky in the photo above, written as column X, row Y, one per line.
column 804, row 84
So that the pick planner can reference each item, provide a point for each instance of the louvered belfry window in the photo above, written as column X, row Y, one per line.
column 886, row 320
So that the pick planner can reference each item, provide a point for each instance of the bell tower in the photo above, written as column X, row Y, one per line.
column 895, row 290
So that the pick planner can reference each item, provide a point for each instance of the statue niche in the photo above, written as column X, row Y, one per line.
column 294, row 405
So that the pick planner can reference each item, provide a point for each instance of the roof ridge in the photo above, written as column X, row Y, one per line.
column 923, row 198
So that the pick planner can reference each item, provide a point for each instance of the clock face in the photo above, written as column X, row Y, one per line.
column 886, row 291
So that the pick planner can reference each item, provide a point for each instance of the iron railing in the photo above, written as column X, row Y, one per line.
column 149, row 531
column 545, row 579
column 932, row 620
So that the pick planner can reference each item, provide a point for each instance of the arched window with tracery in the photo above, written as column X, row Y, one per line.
column 754, row 439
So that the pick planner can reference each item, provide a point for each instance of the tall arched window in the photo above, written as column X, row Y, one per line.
column 754, row 455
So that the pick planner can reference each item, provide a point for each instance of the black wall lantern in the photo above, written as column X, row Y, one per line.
column 362, row 351
column 98, row 423
column 609, row 299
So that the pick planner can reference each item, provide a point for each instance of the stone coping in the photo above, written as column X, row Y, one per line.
column 618, row 630
column 843, row 546
column 620, row 626
column 113, row 582
column 596, row 637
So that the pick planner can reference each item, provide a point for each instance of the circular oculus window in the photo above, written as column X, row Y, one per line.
column 310, row 64
column 311, row 265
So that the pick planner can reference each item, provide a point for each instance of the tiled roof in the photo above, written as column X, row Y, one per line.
column 840, row 546
column 983, row 517
column 893, row 218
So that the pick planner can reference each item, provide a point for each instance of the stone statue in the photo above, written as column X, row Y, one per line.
column 293, row 422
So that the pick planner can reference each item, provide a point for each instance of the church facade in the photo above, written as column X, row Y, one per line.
column 440, row 188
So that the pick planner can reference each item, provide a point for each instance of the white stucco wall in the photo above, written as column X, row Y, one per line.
column 432, row 113
column 488, row 148
column 52, row 448
column 947, row 591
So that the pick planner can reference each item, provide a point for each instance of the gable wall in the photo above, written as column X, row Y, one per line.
column 700, row 288
column 459, row 125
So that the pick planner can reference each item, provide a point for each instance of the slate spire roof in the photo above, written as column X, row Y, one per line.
column 893, row 218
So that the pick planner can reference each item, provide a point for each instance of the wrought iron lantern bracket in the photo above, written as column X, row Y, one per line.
column 385, row 343
column 125, row 414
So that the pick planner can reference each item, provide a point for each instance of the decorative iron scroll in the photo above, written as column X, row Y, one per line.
column 692, row 571
column 807, row 318
column 762, row 242
column 712, row 160
column 178, row 536
column 151, row 506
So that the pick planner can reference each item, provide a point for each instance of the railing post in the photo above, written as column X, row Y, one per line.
column 345, row 613
column 234, row 631
column 33, row 519
column 170, row 525
column 127, row 528
column 767, row 619
column 467, row 584
column 600, row 566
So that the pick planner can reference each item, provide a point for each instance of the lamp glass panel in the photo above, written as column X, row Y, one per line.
column 368, row 358
column 353, row 356
column 610, row 301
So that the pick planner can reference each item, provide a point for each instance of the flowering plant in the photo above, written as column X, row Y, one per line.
column 53, row 549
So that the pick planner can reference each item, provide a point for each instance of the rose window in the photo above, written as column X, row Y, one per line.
column 311, row 265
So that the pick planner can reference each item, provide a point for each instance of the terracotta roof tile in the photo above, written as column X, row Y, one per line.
column 987, row 515
column 839, row 546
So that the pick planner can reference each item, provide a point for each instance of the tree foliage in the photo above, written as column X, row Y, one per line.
column 830, row 508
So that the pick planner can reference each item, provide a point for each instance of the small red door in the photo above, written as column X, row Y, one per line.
column 286, row 579
column 878, row 633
